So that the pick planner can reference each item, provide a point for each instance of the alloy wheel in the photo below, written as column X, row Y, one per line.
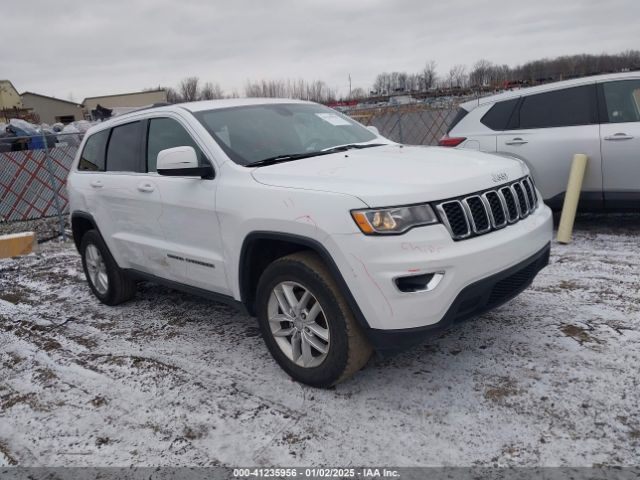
column 298, row 324
column 97, row 269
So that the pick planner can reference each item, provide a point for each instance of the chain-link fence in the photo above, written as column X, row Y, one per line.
column 408, row 124
column 33, row 174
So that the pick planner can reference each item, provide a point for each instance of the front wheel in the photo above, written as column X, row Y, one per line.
column 306, row 322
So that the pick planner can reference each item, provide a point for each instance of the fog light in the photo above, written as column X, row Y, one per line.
column 419, row 283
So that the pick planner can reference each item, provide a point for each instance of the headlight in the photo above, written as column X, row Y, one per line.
column 393, row 220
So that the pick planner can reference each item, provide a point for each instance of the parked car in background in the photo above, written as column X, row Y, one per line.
column 340, row 241
column 545, row 126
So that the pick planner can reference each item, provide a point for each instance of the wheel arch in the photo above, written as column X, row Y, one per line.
column 81, row 223
column 274, row 245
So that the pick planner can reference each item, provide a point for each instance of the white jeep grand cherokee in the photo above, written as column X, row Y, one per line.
column 340, row 241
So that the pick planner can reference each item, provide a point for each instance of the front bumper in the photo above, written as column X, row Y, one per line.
column 369, row 266
column 473, row 300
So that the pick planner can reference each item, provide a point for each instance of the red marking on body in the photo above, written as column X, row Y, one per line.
column 373, row 280
column 307, row 219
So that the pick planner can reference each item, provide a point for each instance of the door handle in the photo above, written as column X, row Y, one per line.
column 619, row 136
column 516, row 141
column 145, row 187
column 96, row 184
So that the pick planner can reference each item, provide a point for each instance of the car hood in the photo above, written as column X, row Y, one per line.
column 395, row 174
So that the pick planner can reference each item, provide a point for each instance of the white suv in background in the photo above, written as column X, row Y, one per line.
column 546, row 125
column 340, row 241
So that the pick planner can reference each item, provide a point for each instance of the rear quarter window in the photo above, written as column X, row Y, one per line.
column 460, row 114
column 92, row 157
column 498, row 116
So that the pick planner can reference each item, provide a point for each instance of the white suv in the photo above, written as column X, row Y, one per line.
column 340, row 241
column 546, row 125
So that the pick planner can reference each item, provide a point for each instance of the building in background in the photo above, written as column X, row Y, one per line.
column 9, row 97
column 10, row 102
column 51, row 110
column 125, row 101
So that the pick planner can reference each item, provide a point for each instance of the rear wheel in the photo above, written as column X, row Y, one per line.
column 306, row 322
column 108, row 282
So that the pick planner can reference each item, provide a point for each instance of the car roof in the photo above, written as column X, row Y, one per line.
column 547, row 87
column 235, row 102
column 193, row 107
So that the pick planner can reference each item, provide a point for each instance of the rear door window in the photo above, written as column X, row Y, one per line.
column 561, row 108
column 167, row 133
column 123, row 151
column 622, row 101
column 498, row 116
column 92, row 158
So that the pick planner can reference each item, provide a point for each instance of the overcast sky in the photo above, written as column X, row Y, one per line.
column 86, row 48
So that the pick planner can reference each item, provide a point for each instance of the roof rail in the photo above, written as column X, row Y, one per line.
column 155, row 105
column 138, row 109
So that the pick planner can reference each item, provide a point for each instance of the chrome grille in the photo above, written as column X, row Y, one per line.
column 523, row 203
column 488, row 210
column 455, row 218
column 497, row 209
column 478, row 215
column 511, row 206
column 531, row 196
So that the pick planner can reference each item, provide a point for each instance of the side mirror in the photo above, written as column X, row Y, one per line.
column 373, row 129
column 181, row 162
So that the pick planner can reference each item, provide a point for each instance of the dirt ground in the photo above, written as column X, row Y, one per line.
column 551, row 378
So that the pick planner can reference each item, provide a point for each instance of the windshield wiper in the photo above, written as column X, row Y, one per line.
column 296, row 156
column 349, row 146
column 282, row 158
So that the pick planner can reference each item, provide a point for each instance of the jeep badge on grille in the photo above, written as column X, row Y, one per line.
column 499, row 177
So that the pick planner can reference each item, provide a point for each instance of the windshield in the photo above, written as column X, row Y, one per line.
column 249, row 134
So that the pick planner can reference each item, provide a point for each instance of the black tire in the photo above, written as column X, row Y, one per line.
column 120, row 287
column 348, row 351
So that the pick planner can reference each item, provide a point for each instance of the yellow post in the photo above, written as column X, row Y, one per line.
column 571, row 197
column 17, row 244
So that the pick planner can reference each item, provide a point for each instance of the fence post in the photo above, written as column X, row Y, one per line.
column 52, row 179
column 400, row 126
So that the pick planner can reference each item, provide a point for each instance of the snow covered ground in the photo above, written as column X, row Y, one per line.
column 551, row 378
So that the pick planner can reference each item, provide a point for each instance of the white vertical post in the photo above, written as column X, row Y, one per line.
column 571, row 197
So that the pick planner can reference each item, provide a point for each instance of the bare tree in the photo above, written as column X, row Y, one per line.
column 189, row 89
column 358, row 94
column 429, row 74
column 317, row 91
column 173, row 96
column 211, row 91
column 382, row 84
column 480, row 73
column 457, row 76
column 483, row 75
